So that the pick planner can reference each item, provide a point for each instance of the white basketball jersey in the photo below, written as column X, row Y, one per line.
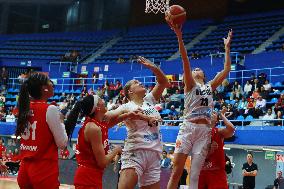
column 139, row 134
column 198, row 103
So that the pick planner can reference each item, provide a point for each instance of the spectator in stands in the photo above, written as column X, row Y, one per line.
column 220, row 89
column 111, row 90
column 95, row 77
column 63, row 105
column 175, row 99
column 252, row 78
column 165, row 161
column 236, row 90
column 62, row 97
column 2, row 103
column 249, row 172
column 229, row 113
column 255, row 93
column 15, row 111
column 256, row 85
column 250, row 106
column 2, row 148
column 279, row 116
column 84, row 91
column 3, row 76
column 262, row 78
column 279, row 181
column 10, row 117
column 118, row 87
column 227, row 87
column 172, row 88
column 267, row 86
column 2, row 114
column 263, row 93
column 268, row 116
column 173, row 111
column 279, row 106
column 247, row 89
column 260, row 107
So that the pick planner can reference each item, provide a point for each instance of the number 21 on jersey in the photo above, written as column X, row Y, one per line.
column 30, row 130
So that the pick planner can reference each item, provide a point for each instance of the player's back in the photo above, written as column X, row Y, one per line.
column 37, row 141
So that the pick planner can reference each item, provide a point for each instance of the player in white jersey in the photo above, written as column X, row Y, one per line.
column 142, row 149
column 194, row 134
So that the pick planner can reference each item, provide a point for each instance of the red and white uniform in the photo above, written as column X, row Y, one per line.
column 213, row 175
column 89, row 174
column 39, row 147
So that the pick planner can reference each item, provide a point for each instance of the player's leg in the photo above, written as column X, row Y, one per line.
column 128, row 179
column 183, row 147
column 199, row 152
column 178, row 166
column 151, row 176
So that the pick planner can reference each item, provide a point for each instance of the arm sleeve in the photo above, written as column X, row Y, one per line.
column 56, row 126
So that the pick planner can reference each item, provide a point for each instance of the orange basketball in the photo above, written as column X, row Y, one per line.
column 175, row 15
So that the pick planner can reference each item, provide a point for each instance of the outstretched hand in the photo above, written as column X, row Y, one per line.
column 147, row 63
column 227, row 41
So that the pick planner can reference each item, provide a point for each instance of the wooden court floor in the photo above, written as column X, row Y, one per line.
column 11, row 183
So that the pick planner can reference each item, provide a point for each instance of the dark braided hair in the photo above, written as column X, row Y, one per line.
column 84, row 108
column 30, row 88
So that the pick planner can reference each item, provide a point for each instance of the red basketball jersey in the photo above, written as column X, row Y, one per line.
column 84, row 152
column 216, row 157
column 37, row 141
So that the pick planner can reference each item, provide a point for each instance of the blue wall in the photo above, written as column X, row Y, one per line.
column 248, row 135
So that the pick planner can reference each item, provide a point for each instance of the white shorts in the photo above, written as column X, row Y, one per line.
column 146, row 164
column 194, row 138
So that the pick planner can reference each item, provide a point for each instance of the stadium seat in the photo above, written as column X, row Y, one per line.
column 249, row 118
column 240, row 118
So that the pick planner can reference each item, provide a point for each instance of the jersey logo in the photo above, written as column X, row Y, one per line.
column 206, row 91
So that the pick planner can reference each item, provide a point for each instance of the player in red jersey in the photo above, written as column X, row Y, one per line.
column 92, row 147
column 42, row 132
column 213, row 175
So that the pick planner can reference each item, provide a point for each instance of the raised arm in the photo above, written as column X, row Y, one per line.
column 229, row 130
column 189, row 82
column 227, row 65
column 162, row 81
column 94, row 136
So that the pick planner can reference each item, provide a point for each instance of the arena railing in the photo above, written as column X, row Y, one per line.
column 243, row 74
column 232, row 75
column 71, row 83
column 243, row 123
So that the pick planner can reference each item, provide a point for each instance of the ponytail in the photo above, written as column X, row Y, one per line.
column 24, row 109
column 72, row 119
column 83, row 107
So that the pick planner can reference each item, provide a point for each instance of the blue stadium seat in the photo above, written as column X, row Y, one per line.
column 240, row 118
column 277, row 84
column 249, row 118
column 274, row 100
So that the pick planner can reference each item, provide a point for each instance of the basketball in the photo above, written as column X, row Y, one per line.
column 175, row 15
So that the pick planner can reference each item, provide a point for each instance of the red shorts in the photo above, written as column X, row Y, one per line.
column 38, row 174
column 213, row 179
column 88, row 178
